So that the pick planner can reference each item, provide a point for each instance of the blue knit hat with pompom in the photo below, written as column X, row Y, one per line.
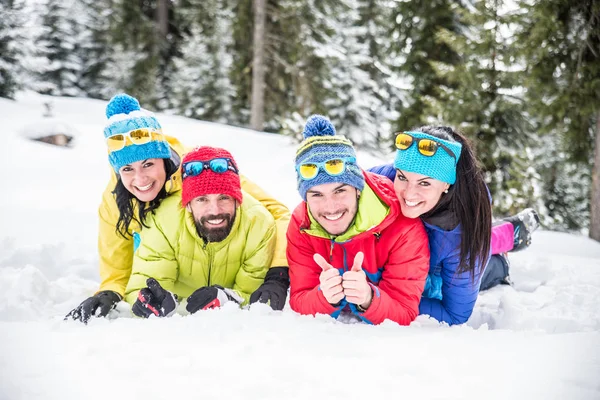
column 322, row 144
column 125, row 115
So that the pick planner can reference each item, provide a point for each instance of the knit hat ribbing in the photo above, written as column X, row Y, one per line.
column 208, row 181
column 440, row 166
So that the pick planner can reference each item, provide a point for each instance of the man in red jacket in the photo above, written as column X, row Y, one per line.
column 350, row 249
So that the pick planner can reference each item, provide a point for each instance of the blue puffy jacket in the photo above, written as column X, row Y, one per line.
column 448, row 296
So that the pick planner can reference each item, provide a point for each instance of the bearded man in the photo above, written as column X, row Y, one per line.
column 209, row 246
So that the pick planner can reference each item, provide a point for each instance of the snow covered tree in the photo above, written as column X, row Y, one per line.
column 560, row 39
column 138, row 31
column 361, row 96
column 482, row 98
column 58, row 66
column 415, row 47
column 10, row 35
column 94, row 48
column 202, row 88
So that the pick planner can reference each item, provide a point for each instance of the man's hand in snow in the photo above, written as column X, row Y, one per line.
column 209, row 297
column 154, row 300
column 274, row 289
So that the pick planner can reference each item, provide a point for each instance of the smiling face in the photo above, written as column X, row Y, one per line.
column 144, row 179
column 333, row 206
column 213, row 215
column 417, row 193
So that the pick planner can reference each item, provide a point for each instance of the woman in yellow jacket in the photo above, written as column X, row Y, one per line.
column 146, row 171
column 212, row 245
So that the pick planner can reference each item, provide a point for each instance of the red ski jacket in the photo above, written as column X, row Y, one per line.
column 396, row 259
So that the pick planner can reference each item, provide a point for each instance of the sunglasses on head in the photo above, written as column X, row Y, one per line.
column 217, row 165
column 333, row 167
column 427, row 147
column 136, row 136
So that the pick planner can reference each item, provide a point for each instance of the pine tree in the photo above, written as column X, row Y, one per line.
column 94, row 49
column 137, row 59
column 357, row 99
column 482, row 99
column 301, row 52
column 10, row 35
column 561, row 41
column 202, row 88
column 241, row 73
column 415, row 47
column 58, row 65
column 369, row 91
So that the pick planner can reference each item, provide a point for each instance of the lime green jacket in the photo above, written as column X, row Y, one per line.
column 171, row 251
column 116, row 252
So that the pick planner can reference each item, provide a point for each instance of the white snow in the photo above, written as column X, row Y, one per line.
column 537, row 340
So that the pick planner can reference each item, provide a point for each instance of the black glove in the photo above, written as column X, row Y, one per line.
column 274, row 289
column 208, row 297
column 154, row 300
column 98, row 305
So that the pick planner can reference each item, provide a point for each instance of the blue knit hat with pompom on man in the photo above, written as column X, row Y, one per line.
column 321, row 144
column 125, row 115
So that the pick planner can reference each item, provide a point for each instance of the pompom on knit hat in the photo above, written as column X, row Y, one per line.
column 440, row 166
column 321, row 144
column 208, row 181
column 125, row 115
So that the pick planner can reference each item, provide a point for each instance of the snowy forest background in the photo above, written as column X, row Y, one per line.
column 520, row 78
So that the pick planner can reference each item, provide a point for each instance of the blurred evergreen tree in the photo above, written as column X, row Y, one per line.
column 560, row 39
column 483, row 98
column 361, row 99
column 415, row 47
column 201, row 85
column 58, row 65
column 94, row 48
column 145, row 50
column 10, row 52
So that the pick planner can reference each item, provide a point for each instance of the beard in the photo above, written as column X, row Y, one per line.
column 214, row 234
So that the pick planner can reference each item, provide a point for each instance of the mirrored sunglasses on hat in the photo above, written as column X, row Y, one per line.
column 136, row 136
column 333, row 167
column 425, row 146
column 217, row 165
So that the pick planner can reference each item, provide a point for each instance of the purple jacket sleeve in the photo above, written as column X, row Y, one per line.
column 459, row 293
column 386, row 170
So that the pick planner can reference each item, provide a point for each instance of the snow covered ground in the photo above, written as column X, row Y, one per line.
column 537, row 340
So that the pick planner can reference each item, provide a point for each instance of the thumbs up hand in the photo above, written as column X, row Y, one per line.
column 356, row 288
column 330, row 281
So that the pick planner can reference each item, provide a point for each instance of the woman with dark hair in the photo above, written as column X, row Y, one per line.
column 146, row 171
column 437, row 178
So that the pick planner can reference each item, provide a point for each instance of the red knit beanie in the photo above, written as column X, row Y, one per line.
column 210, row 182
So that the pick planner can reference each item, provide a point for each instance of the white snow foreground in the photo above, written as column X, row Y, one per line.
column 537, row 340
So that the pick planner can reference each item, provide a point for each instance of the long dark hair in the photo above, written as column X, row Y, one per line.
column 469, row 200
column 127, row 202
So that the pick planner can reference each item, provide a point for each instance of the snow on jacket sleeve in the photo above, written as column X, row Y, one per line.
column 261, row 242
column 279, row 212
column 155, row 257
column 386, row 170
column 115, row 251
column 459, row 293
column 398, row 293
column 305, row 295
